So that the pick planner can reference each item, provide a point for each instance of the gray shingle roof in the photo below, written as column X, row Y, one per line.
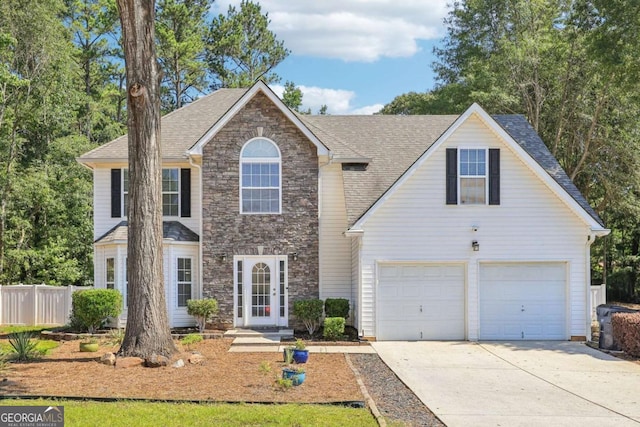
column 181, row 128
column 393, row 143
column 523, row 133
column 171, row 230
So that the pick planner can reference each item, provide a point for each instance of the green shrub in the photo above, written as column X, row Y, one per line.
column 309, row 312
column 336, row 307
column 333, row 328
column 92, row 307
column 203, row 310
column 191, row 339
column 23, row 346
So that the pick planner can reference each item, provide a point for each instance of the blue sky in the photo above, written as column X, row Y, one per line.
column 354, row 55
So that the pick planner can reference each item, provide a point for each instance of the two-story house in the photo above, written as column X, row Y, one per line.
column 433, row 227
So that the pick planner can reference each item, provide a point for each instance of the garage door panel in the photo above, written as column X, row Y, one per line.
column 523, row 301
column 421, row 301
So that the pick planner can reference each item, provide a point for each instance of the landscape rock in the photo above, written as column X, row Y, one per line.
column 156, row 361
column 178, row 364
column 196, row 359
column 129, row 362
column 108, row 359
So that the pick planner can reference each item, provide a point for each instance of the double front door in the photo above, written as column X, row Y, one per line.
column 261, row 291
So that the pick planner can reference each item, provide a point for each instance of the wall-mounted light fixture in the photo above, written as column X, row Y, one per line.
column 223, row 257
column 475, row 246
column 294, row 256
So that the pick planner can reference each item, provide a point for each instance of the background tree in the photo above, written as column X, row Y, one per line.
column 43, row 234
column 292, row 98
column 94, row 26
column 180, row 30
column 147, row 330
column 241, row 48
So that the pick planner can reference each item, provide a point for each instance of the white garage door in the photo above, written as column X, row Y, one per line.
column 523, row 301
column 421, row 302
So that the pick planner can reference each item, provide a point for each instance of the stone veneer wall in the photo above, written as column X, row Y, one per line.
column 225, row 230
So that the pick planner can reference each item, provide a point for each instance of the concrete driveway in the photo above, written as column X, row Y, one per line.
column 518, row 383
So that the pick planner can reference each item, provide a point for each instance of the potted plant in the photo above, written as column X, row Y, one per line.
column 287, row 354
column 296, row 375
column 300, row 352
column 89, row 345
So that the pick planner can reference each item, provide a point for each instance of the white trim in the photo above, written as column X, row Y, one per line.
column 519, row 151
column 259, row 86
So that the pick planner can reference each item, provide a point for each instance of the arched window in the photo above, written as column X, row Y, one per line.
column 260, row 183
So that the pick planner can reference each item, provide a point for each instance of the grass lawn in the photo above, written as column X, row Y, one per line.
column 8, row 329
column 134, row 414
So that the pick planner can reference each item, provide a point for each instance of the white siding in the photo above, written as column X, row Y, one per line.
column 530, row 224
column 102, row 200
column 335, row 248
column 102, row 221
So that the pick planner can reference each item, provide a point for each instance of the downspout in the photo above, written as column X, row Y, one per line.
column 320, row 211
column 587, row 255
column 200, row 260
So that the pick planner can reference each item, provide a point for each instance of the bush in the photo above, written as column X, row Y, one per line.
column 92, row 307
column 23, row 346
column 333, row 328
column 626, row 332
column 203, row 310
column 309, row 312
column 336, row 307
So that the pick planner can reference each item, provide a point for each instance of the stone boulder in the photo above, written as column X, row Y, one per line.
column 108, row 359
column 156, row 361
column 196, row 358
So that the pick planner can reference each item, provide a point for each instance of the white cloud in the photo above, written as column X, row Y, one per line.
column 338, row 101
column 352, row 30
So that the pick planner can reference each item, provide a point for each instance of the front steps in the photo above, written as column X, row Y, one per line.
column 270, row 338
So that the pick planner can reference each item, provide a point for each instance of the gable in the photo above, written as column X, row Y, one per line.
column 491, row 135
column 258, row 89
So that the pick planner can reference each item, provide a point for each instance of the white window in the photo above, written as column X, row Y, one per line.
column 260, row 183
column 125, row 192
column 473, row 176
column 170, row 191
column 184, row 281
column 111, row 273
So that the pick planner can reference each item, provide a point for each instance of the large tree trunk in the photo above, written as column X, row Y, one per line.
column 147, row 322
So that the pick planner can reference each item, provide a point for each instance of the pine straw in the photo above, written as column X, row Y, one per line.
column 223, row 377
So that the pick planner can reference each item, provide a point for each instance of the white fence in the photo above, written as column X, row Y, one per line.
column 36, row 304
column 598, row 296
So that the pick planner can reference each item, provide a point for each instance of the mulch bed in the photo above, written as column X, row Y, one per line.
column 223, row 377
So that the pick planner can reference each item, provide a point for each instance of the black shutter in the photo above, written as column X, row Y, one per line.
column 452, row 176
column 185, row 193
column 494, row 176
column 116, row 193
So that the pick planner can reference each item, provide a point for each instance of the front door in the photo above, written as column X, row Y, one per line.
column 261, row 291
column 260, row 279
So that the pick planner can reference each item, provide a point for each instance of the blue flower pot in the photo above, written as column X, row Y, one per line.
column 300, row 356
column 296, row 377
